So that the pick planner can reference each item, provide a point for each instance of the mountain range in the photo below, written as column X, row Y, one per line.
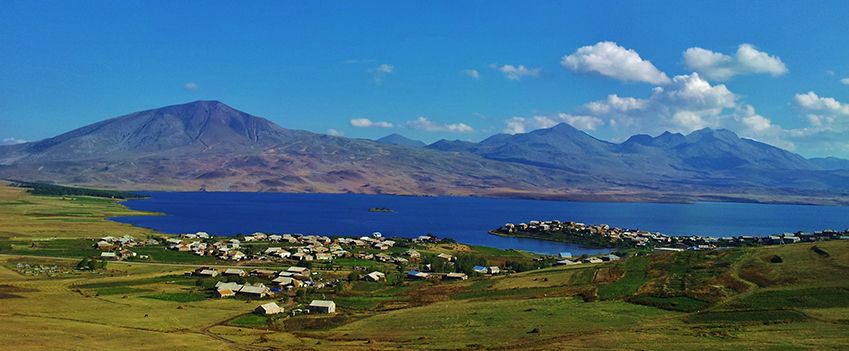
column 207, row 145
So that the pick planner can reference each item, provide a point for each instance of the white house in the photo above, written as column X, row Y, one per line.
column 322, row 306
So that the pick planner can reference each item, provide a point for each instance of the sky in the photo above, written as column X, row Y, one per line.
column 773, row 71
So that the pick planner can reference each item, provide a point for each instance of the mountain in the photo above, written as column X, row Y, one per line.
column 400, row 140
column 830, row 163
column 208, row 145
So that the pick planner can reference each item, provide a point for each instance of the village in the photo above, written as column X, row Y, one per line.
column 308, row 259
column 286, row 286
column 615, row 237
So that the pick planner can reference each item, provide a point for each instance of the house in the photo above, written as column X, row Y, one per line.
column 269, row 309
column 223, row 289
column 263, row 273
column 413, row 253
column 302, row 272
column 446, row 257
column 302, row 256
column 108, row 256
column 322, row 306
column 287, row 282
column 456, row 276
column 414, row 274
column 592, row 260
column 375, row 276
column 568, row 262
column 257, row 291
column 493, row 270
column 610, row 257
column 206, row 272
column 236, row 272
column 479, row 269
column 223, row 292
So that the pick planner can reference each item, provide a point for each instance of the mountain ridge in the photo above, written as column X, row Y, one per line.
column 211, row 146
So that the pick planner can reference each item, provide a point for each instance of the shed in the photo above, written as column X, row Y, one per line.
column 322, row 306
column 233, row 271
column 269, row 308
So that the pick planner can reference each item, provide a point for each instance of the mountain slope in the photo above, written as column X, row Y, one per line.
column 830, row 163
column 400, row 140
column 209, row 145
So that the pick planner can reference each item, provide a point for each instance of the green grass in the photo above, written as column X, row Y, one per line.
column 58, row 190
column 249, row 321
column 161, row 254
column 634, row 277
column 751, row 316
column 674, row 303
column 119, row 290
column 188, row 296
column 176, row 279
column 54, row 248
column 797, row 298
column 361, row 302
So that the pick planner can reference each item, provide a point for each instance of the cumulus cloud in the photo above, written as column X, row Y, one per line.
column 472, row 73
column 11, row 141
column 517, row 72
column 423, row 123
column 516, row 125
column 367, row 123
column 687, row 104
column 718, row 66
column 334, row 132
column 190, row 86
column 812, row 102
column 380, row 72
column 845, row 81
column 609, row 59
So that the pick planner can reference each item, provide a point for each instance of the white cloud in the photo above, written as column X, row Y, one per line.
column 517, row 72
column 334, row 132
column 844, row 81
column 422, row 123
column 718, row 66
column 191, row 86
column 609, row 59
column 11, row 141
column 472, row 73
column 367, row 123
column 810, row 101
column 380, row 72
column 687, row 104
column 516, row 125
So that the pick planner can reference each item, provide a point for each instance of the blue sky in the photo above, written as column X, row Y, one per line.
column 768, row 70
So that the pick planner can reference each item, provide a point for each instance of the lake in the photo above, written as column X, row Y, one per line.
column 465, row 219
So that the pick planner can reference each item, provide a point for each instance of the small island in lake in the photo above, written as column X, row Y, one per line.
column 380, row 209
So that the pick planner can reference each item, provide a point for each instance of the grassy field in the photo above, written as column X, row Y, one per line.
column 718, row 300
column 24, row 216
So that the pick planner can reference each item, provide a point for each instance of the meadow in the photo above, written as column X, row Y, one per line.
column 720, row 300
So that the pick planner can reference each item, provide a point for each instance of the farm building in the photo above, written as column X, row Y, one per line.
column 322, row 306
column 299, row 271
column 236, row 272
column 269, row 308
column 375, row 276
column 456, row 276
column 224, row 292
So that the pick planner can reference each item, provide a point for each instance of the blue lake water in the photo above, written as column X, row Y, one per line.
column 465, row 219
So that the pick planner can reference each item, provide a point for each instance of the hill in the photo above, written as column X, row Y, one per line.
column 400, row 140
